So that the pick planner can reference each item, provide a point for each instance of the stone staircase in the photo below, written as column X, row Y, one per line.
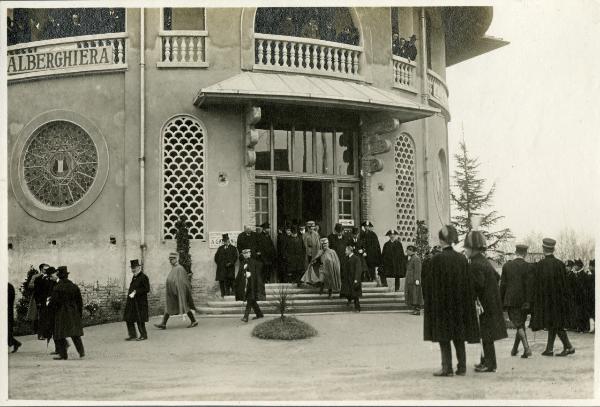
column 307, row 300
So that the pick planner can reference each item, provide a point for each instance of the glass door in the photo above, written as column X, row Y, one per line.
column 347, row 204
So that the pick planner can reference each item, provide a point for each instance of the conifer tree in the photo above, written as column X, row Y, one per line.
column 183, row 244
column 470, row 199
column 422, row 239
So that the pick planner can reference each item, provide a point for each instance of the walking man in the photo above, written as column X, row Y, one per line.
column 413, row 295
column 393, row 260
column 294, row 256
column 248, row 285
column 352, row 274
column 515, row 292
column 552, row 305
column 179, row 294
column 226, row 257
column 136, row 308
column 67, row 305
column 370, row 243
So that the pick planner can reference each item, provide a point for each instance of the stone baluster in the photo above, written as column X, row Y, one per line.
column 329, row 59
column 395, row 71
column 342, row 61
column 121, row 51
column 195, row 45
column 300, row 55
column 284, row 53
column 260, row 52
column 315, row 58
column 276, row 59
column 176, row 53
column 322, row 58
column 167, row 45
column 293, row 54
column 268, row 52
column 184, row 49
column 355, row 62
column 306, row 56
column 336, row 61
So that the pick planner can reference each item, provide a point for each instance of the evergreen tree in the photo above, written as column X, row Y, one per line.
column 471, row 199
column 183, row 243
column 422, row 239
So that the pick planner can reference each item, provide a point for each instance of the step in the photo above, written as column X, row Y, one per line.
column 316, row 301
column 292, row 285
column 311, row 290
column 308, row 308
column 316, row 295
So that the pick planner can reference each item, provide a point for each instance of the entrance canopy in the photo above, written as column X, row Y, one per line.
column 310, row 90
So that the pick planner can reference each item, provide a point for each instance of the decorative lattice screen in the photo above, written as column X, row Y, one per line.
column 404, row 155
column 183, row 176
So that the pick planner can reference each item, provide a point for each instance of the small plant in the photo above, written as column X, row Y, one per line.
column 284, row 328
column 283, row 301
column 92, row 308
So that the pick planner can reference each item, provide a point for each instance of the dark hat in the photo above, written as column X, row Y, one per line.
column 521, row 247
column 173, row 255
column 265, row 225
column 578, row 263
column 338, row 228
column 225, row 236
column 42, row 266
column 389, row 233
column 354, row 230
column 548, row 243
column 294, row 229
column 367, row 223
column 134, row 263
column 50, row 270
column 247, row 250
column 310, row 223
column 395, row 232
column 62, row 272
column 413, row 37
column 570, row 263
column 411, row 248
column 475, row 240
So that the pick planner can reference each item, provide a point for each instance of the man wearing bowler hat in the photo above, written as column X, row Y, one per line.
column 226, row 257
column 136, row 308
column 67, row 305
column 552, row 305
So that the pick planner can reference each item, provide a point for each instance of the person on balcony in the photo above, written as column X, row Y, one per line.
column 396, row 44
column 311, row 29
column 411, row 48
column 328, row 32
column 345, row 37
column 286, row 27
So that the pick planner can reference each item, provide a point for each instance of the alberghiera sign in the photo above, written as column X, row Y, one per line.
column 59, row 59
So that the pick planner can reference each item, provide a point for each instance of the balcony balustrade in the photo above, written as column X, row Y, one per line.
column 183, row 49
column 306, row 55
column 405, row 74
column 437, row 88
column 90, row 53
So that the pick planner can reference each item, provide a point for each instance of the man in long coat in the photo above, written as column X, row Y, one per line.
column 249, row 285
column 337, row 241
column 179, row 294
column 413, row 295
column 311, row 240
column 294, row 256
column 67, row 306
column 452, row 314
column 370, row 243
column 329, row 268
column 32, row 310
column 515, row 294
column 11, row 319
column 351, row 285
column 552, row 305
column 136, row 307
column 226, row 257
column 247, row 240
column 42, row 291
column 265, row 250
column 485, row 279
column 393, row 260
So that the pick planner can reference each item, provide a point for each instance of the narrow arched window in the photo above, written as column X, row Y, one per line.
column 405, row 164
column 183, row 149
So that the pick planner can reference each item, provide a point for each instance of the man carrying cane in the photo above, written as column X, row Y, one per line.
column 249, row 284
column 136, row 308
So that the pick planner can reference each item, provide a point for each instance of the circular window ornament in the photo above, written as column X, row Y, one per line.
column 59, row 166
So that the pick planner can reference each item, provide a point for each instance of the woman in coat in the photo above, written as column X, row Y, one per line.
column 452, row 315
column 136, row 308
column 486, row 284
column 67, row 307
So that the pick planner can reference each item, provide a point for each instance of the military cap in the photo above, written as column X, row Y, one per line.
column 247, row 251
column 548, row 243
column 134, row 263
column 310, row 223
column 173, row 255
column 521, row 247
column 389, row 233
column 395, row 232
column 324, row 239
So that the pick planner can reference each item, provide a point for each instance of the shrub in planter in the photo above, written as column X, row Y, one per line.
column 284, row 328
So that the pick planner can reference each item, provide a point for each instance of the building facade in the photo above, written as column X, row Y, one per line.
column 229, row 116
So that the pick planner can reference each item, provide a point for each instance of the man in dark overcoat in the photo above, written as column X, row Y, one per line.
column 294, row 255
column 265, row 250
column 337, row 241
column 452, row 314
column 226, row 257
column 393, row 260
column 67, row 305
column 11, row 319
column 515, row 294
column 247, row 240
column 426, row 288
column 42, row 291
column 590, row 294
column 282, row 235
column 411, row 48
column 370, row 243
column 413, row 296
column 136, row 307
column 352, row 289
column 491, row 318
column 249, row 285
column 552, row 305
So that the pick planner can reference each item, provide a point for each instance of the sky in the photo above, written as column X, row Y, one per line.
column 531, row 115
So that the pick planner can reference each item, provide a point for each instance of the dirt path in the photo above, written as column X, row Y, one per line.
column 354, row 357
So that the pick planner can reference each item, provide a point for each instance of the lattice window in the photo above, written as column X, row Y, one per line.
column 404, row 152
column 60, row 165
column 183, row 176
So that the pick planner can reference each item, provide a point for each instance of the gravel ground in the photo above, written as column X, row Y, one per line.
column 367, row 356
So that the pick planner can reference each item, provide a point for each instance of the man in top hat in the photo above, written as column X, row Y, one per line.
column 136, row 308
column 370, row 243
column 351, row 286
column 249, row 285
column 393, row 260
column 311, row 241
column 413, row 296
column 42, row 290
column 179, row 294
column 226, row 257
column 67, row 306
column 515, row 293
column 491, row 318
column 578, row 281
column 552, row 306
column 411, row 48
column 265, row 250
column 338, row 241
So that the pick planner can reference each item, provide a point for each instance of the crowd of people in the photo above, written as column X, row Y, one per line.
column 403, row 48
column 26, row 25
column 463, row 297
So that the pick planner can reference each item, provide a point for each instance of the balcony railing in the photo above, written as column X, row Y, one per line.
column 183, row 49
column 103, row 52
column 438, row 90
column 306, row 55
column 405, row 74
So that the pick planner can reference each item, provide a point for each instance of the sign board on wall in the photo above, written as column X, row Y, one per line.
column 214, row 238
column 59, row 59
column 346, row 222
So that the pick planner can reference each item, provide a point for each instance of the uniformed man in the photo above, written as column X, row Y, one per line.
column 226, row 257
column 413, row 296
column 136, row 307
column 248, row 285
column 552, row 305
column 515, row 293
